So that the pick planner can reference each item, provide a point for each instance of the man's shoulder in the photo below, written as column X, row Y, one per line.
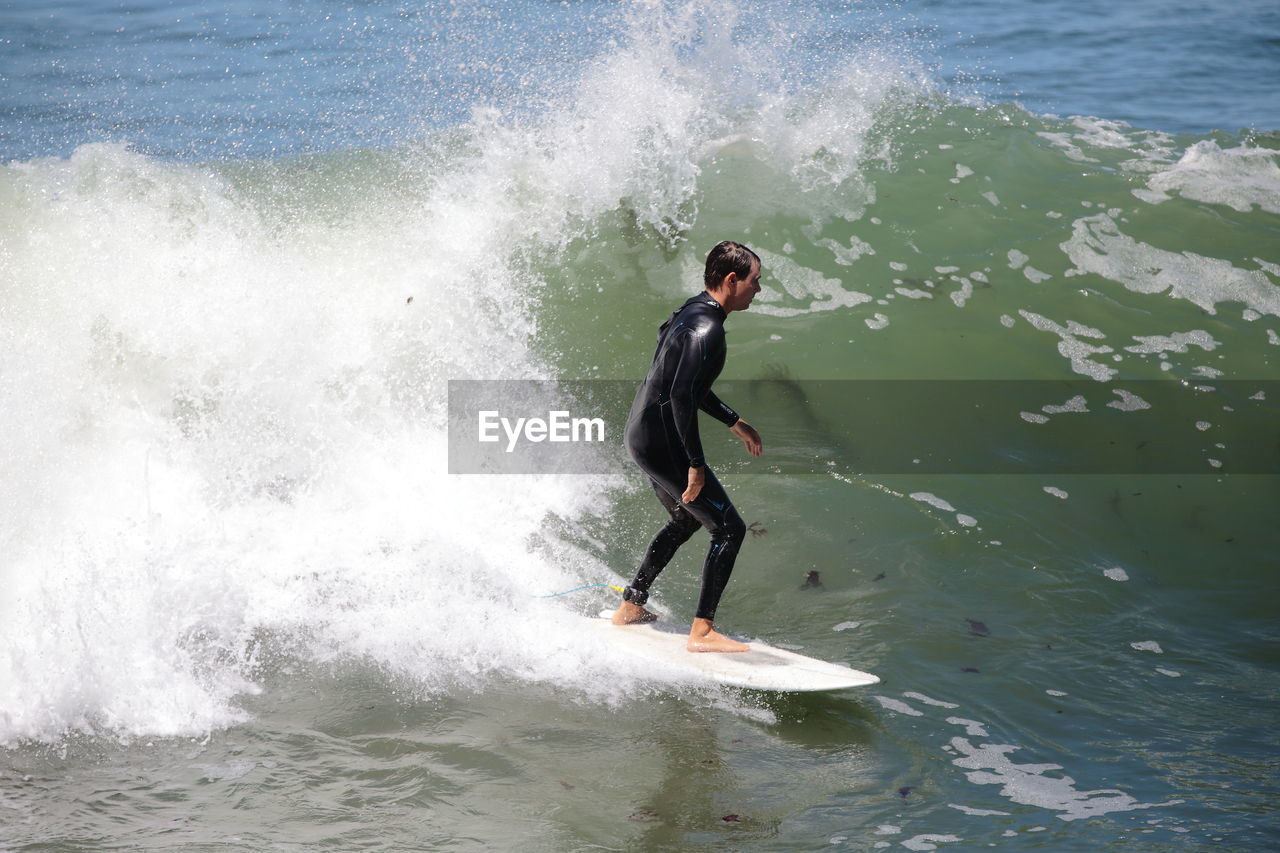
column 702, row 310
column 703, row 323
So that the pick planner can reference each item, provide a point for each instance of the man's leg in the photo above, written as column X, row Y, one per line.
column 716, row 512
column 663, row 547
column 726, row 539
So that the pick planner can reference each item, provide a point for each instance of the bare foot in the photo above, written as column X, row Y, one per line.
column 632, row 614
column 704, row 638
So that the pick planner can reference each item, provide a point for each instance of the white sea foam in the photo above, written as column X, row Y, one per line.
column 1128, row 402
column 846, row 255
column 891, row 704
column 928, row 841
column 937, row 703
column 1028, row 784
column 1241, row 178
column 1076, row 404
column 969, row 810
column 1063, row 141
column 1071, row 346
column 938, row 503
column 803, row 291
column 932, row 500
column 1108, row 133
column 972, row 728
column 1097, row 245
column 1038, row 785
column 1176, row 342
column 1153, row 150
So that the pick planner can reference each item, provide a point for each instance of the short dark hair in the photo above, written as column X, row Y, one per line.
column 725, row 258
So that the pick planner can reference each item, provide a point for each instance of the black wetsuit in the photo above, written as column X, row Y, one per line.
column 662, row 437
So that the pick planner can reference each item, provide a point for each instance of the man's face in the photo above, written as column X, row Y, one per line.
column 745, row 289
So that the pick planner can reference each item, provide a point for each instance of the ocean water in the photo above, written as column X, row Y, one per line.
column 244, row 248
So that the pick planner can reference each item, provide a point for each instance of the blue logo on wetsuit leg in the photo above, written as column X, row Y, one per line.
column 714, row 504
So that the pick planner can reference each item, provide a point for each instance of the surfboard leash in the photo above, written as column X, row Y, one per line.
column 611, row 586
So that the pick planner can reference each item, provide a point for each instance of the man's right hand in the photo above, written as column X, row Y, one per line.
column 697, row 476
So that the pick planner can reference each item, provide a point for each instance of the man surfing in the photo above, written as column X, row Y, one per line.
column 662, row 437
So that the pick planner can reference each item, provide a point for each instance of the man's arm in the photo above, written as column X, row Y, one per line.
column 697, row 476
column 685, row 392
column 718, row 409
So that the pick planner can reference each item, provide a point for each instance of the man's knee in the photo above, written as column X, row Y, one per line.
column 733, row 529
column 684, row 525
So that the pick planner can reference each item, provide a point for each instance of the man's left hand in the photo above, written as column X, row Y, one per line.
column 750, row 438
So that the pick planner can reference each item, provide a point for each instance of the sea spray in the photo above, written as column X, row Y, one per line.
column 222, row 432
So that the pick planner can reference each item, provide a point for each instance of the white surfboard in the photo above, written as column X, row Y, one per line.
column 763, row 667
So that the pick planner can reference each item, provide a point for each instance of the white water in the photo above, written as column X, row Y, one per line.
column 224, row 409
column 224, row 439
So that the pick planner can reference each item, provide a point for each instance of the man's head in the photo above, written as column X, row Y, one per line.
column 732, row 275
